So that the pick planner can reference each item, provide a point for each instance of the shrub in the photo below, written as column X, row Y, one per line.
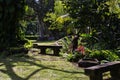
column 28, row 44
column 66, row 41
column 104, row 55
column 74, row 57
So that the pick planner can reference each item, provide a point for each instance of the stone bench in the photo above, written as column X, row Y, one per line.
column 56, row 49
column 95, row 72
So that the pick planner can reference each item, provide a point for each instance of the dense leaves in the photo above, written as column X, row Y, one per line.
column 101, row 17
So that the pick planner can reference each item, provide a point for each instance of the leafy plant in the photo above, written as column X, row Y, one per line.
column 104, row 55
column 74, row 57
column 28, row 44
column 101, row 16
column 66, row 42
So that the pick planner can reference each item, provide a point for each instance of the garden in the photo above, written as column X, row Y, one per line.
column 59, row 39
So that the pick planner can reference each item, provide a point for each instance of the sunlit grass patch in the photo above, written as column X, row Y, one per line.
column 39, row 67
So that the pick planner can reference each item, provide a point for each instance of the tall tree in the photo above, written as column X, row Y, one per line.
column 41, row 7
column 11, row 12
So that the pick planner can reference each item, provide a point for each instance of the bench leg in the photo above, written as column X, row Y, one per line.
column 56, row 52
column 115, row 74
column 43, row 50
column 96, row 77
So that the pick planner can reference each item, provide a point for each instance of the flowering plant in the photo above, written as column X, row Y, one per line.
column 81, row 49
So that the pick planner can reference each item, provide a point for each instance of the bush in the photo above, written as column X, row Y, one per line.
column 74, row 57
column 66, row 41
column 28, row 44
column 104, row 55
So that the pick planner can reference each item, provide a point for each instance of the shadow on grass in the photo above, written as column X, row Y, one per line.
column 8, row 64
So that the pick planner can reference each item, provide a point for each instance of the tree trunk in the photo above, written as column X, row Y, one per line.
column 41, row 8
column 41, row 30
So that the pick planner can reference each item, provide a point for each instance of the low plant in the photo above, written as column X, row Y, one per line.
column 74, row 57
column 66, row 41
column 28, row 44
column 108, row 55
column 67, row 52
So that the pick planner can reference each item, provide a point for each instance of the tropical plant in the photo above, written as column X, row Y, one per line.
column 104, row 55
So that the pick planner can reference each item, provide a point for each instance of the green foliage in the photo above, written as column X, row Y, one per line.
column 104, row 55
column 66, row 42
column 65, row 47
column 28, row 44
column 66, row 51
column 59, row 8
column 69, row 57
column 29, row 23
column 74, row 57
column 52, row 16
column 59, row 19
column 102, row 16
column 114, row 6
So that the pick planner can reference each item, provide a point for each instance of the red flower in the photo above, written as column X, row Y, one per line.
column 81, row 49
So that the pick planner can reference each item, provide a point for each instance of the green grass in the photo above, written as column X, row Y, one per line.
column 33, row 66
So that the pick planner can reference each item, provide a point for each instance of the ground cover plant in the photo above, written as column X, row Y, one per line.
column 94, row 51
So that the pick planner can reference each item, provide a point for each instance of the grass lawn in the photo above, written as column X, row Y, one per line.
column 33, row 66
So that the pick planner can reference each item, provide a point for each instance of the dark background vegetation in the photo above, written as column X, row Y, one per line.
column 95, row 21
